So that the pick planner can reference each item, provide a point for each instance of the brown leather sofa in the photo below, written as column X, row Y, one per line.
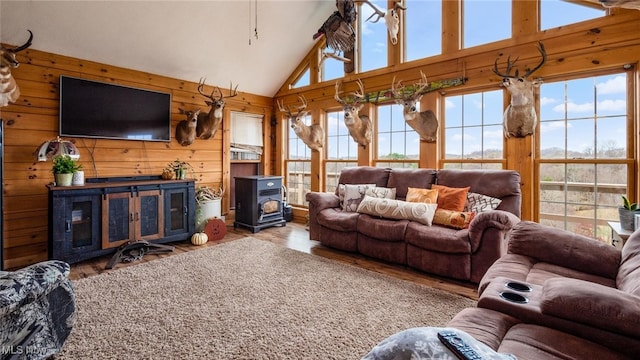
column 583, row 302
column 461, row 254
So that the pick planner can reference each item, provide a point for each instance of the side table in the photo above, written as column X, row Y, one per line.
column 618, row 235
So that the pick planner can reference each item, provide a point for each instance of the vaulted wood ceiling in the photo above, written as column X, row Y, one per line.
column 182, row 39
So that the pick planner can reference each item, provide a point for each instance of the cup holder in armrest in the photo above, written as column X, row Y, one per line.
column 513, row 297
column 513, row 285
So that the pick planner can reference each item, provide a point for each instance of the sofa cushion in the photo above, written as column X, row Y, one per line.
column 592, row 304
column 453, row 219
column 429, row 196
column 628, row 277
column 397, row 209
column 438, row 238
column 353, row 195
column 382, row 229
column 478, row 203
column 501, row 184
column 342, row 188
column 364, row 175
column 381, row 192
column 451, row 198
column 402, row 179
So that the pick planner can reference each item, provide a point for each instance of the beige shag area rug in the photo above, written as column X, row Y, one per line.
column 247, row 299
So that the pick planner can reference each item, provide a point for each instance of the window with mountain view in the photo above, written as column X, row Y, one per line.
column 298, row 165
column 585, row 160
column 341, row 150
column 398, row 145
column 473, row 130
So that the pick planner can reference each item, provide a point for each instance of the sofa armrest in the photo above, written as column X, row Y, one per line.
column 322, row 200
column 563, row 248
column 592, row 304
column 30, row 283
column 503, row 221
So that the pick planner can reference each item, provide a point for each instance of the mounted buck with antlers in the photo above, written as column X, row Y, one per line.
column 520, row 117
column 208, row 123
column 186, row 129
column 9, row 90
column 425, row 122
column 312, row 135
column 359, row 126
column 391, row 18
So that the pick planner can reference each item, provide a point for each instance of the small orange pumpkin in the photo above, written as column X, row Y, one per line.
column 199, row 238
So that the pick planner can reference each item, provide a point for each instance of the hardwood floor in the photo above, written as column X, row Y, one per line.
column 296, row 237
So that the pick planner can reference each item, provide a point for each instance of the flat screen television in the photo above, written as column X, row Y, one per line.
column 100, row 110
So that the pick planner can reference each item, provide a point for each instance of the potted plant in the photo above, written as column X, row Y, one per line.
column 626, row 213
column 179, row 168
column 208, row 204
column 63, row 168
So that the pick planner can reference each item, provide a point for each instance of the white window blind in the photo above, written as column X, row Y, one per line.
column 246, row 132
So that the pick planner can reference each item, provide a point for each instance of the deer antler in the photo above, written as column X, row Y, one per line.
column 377, row 12
column 510, row 64
column 337, row 95
column 543, row 52
column 421, row 85
column 201, row 88
column 233, row 92
column 359, row 95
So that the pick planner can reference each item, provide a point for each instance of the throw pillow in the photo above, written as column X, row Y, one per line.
column 381, row 192
column 453, row 219
column 451, row 198
column 397, row 209
column 353, row 195
column 429, row 196
column 341, row 192
column 478, row 203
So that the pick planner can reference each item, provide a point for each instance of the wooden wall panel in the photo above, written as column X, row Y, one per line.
column 34, row 119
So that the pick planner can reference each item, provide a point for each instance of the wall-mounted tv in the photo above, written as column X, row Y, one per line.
column 100, row 110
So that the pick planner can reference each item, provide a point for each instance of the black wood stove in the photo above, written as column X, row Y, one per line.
column 259, row 202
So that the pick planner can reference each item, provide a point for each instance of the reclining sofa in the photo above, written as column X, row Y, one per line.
column 558, row 295
column 459, row 253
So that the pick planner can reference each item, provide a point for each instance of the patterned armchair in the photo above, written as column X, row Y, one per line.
column 37, row 310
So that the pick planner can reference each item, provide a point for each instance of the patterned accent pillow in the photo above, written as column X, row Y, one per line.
column 398, row 209
column 429, row 196
column 451, row 198
column 353, row 195
column 341, row 192
column 478, row 203
column 381, row 192
column 453, row 219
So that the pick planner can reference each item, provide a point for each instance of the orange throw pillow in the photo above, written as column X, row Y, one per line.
column 451, row 198
column 453, row 219
column 427, row 196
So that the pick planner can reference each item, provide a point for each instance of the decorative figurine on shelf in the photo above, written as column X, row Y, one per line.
column 179, row 168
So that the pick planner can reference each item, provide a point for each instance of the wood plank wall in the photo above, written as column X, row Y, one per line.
column 34, row 119
column 595, row 46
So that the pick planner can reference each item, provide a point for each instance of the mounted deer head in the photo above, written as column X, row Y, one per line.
column 186, row 129
column 359, row 126
column 312, row 135
column 208, row 123
column 520, row 117
column 425, row 122
column 9, row 90
column 391, row 18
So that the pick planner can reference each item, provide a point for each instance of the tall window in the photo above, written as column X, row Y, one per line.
column 398, row 144
column 373, row 37
column 298, row 163
column 473, row 130
column 584, row 155
column 341, row 150
column 423, row 29
column 485, row 21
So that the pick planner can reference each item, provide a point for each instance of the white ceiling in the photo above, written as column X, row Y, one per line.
column 186, row 40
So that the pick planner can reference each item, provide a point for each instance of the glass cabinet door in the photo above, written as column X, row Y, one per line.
column 176, row 211
column 81, row 226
